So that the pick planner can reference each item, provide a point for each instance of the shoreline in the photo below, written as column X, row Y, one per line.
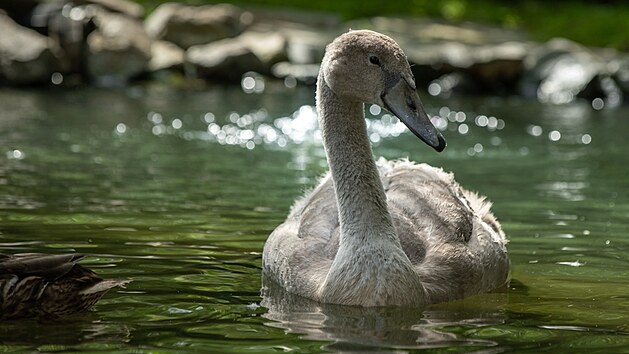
column 110, row 43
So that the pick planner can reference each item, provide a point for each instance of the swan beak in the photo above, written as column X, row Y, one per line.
column 402, row 100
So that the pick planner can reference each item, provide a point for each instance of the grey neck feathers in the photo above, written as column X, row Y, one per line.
column 363, row 212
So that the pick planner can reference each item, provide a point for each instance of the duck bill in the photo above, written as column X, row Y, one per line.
column 402, row 100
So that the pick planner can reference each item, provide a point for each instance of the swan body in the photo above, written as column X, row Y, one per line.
column 385, row 233
column 34, row 285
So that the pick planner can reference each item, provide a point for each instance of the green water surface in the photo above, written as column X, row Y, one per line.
column 177, row 189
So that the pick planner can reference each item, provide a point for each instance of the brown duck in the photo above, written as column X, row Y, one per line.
column 34, row 285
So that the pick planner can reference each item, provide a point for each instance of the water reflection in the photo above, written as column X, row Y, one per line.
column 567, row 127
column 352, row 328
column 571, row 191
column 64, row 334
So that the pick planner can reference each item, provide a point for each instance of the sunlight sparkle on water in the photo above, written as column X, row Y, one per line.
column 534, row 130
column 208, row 117
column 554, row 135
column 375, row 110
column 598, row 104
column 572, row 264
column 434, row 89
column 254, row 128
column 463, row 129
column 154, row 117
column 158, row 129
column 56, row 78
column 15, row 155
column 481, row 121
column 439, row 122
column 476, row 149
column 121, row 128
column 290, row 82
column 252, row 82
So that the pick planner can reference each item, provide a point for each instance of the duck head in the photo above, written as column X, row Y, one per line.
column 372, row 68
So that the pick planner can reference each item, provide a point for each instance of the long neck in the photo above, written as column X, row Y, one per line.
column 361, row 199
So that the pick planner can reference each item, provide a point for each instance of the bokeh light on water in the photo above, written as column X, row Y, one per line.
column 255, row 128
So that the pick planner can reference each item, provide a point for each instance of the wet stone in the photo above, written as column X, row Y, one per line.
column 165, row 55
column 125, row 7
column 187, row 26
column 561, row 71
column 26, row 57
column 118, row 49
column 222, row 60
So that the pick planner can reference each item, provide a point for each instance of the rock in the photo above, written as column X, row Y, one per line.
column 603, row 92
column 494, row 68
column 26, row 57
column 119, row 6
column 269, row 47
column 283, row 18
column 193, row 25
column 19, row 10
column 69, row 32
column 560, row 71
column 165, row 55
column 305, row 50
column 619, row 67
column 42, row 15
column 227, row 59
column 117, row 50
column 307, row 46
column 489, row 57
column 306, row 32
column 302, row 38
column 230, row 58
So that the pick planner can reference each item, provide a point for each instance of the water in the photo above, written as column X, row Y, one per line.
column 178, row 189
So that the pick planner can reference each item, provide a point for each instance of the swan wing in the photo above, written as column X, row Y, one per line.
column 298, row 253
column 454, row 242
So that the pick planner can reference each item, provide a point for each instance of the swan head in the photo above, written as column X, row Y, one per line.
column 370, row 67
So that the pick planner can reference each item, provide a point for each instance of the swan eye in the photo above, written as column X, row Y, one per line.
column 374, row 60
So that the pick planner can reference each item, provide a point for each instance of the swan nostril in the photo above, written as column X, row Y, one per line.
column 412, row 106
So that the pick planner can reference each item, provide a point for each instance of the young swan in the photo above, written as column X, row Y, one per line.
column 385, row 233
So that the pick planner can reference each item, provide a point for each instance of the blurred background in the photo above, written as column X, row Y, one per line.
column 555, row 52
column 168, row 139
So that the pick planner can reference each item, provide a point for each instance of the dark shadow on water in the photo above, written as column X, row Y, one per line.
column 358, row 329
column 68, row 331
